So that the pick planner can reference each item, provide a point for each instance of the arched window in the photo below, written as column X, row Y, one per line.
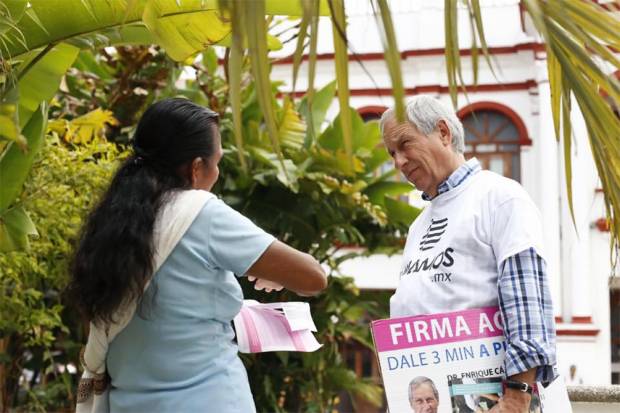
column 494, row 134
column 369, row 113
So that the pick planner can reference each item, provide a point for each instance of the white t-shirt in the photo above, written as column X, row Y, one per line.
column 454, row 248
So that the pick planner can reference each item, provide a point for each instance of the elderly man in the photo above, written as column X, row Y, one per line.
column 423, row 395
column 477, row 244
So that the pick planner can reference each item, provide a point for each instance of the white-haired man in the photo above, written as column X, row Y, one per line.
column 477, row 244
column 423, row 395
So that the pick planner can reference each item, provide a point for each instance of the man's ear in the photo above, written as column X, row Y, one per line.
column 444, row 133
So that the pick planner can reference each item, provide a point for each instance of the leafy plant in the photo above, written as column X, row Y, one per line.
column 579, row 46
column 309, row 200
column 36, row 335
column 312, row 199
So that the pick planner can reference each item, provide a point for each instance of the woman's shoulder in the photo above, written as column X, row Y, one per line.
column 217, row 215
column 190, row 195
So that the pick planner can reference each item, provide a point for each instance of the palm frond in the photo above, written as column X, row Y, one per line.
column 454, row 69
column 452, row 54
column 392, row 57
column 579, row 59
column 313, row 7
column 256, row 32
column 475, row 15
column 341, row 59
column 299, row 49
column 235, row 64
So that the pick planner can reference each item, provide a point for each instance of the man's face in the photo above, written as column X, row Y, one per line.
column 423, row 399
column 423, row 160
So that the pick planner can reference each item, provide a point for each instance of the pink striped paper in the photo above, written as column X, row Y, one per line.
column 251, row 333
column 264, row 327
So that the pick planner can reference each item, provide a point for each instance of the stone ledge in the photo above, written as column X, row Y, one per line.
column 594, row 394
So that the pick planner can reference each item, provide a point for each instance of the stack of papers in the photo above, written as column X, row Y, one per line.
column 275, row 327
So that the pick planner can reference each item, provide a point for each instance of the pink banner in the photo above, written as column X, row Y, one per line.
column 420, row 331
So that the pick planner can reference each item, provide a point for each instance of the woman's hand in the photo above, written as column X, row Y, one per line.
column 283, row 266
column 261, row 284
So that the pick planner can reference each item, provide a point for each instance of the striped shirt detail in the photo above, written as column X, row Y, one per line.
column 457, row 177
column 526, row 307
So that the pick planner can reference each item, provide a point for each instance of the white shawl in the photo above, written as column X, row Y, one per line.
column 173, row 221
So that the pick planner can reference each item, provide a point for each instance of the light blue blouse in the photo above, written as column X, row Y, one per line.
column 177, row 354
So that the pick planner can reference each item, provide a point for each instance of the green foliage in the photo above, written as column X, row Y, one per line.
column 122, row 80
column 16, row 162
column 318, row 193
column 310, row 200
column 319, row 201
column 318, row 206
column 313, row 382
column 39, row 76
column 63, row 184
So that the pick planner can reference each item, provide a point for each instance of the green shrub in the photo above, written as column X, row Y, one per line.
column 35, row 332
column 307, row 198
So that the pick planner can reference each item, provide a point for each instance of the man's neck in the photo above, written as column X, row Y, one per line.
column 454, row 162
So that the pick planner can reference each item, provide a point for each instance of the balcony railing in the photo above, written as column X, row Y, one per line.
column 594, row 399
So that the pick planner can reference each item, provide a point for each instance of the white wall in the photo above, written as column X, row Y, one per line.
column 419, row 25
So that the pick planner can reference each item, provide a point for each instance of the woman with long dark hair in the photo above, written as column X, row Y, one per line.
column 154, row 273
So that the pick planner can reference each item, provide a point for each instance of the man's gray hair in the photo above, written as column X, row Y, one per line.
column 424, row 112
column 417, row 382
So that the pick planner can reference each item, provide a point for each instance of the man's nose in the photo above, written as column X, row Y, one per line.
column 399, row 160
column 428, row 407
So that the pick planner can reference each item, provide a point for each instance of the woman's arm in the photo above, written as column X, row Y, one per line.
column 293, row 269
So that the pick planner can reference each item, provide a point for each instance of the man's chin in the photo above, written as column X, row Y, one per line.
column 415, row 182
column 419, row 183
column 420, row 187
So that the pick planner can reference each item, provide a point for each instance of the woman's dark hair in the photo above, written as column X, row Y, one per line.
column 114, row 257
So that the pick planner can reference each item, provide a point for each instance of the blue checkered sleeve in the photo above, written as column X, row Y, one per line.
column 525, row 304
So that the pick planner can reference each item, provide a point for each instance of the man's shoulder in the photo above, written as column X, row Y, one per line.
column 495, row 179
column 500, row 188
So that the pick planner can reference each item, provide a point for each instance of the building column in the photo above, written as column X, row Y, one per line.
column 548, row 190
column 576, row 234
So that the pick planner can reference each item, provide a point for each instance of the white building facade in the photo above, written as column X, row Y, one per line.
column 511, row 133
